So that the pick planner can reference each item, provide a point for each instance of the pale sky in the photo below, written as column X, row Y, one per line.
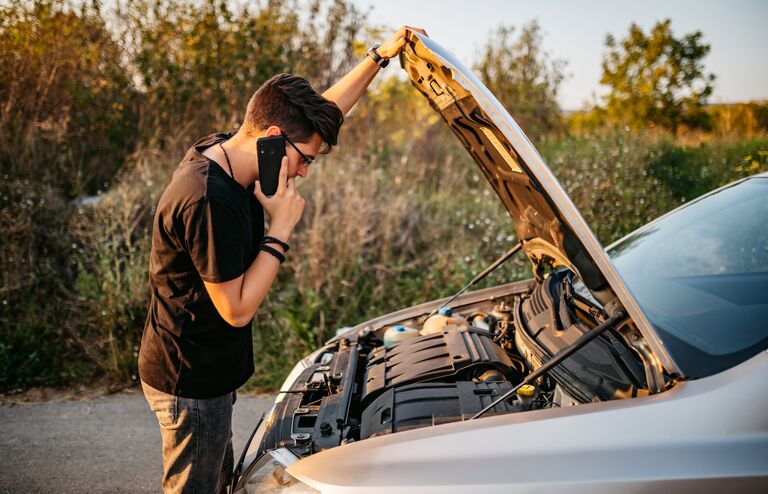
column 575, row 31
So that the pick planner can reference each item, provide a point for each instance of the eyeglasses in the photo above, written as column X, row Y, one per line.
column 307, row 160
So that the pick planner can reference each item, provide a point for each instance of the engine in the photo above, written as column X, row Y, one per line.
column 457, row 353
column 421, row 370
column 425, row 404
column 418, row 373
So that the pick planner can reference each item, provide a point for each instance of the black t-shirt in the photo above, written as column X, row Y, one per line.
column 207, row 227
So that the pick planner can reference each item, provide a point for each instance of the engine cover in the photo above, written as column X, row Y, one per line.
column 458, row 353
column 426, row 404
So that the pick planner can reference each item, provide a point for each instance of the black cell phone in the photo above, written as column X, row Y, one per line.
column 271, row 151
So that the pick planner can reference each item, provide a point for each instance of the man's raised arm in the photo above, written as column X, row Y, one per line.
column 350, row 88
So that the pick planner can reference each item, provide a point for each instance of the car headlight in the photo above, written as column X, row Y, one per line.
column 269, row 475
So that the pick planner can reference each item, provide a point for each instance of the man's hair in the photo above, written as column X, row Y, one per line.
column 289, row 102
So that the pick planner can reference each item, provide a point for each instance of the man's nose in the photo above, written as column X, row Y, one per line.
column 302, row 171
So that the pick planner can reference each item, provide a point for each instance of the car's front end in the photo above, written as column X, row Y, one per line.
column 449, row 398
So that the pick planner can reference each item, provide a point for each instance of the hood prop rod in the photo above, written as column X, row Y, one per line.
column 498, row 262
column 612, row 321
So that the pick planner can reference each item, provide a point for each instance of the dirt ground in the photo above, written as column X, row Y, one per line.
column 84, row 440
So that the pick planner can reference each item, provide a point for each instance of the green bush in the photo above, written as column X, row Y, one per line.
column 36, row 267
column 198, row 63
column 81, row 88
column 111, row 289
column 68, row 114
column 621, row 179
column 689, row 171
column 605, row 174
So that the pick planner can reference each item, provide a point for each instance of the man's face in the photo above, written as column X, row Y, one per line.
column 296, row 163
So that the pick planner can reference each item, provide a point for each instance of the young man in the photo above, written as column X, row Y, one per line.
column 211, row 265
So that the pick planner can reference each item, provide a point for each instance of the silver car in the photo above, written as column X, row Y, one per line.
column 642, row 367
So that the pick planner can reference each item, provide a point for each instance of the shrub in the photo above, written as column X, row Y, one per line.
column 35, row 262
column 68, row 118
column 606, row 176
column 689, row 171
column 111, row 292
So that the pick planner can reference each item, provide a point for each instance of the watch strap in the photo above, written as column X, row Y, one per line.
column 374, row 54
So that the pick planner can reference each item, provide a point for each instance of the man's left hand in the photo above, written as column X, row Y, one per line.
column 391, row 48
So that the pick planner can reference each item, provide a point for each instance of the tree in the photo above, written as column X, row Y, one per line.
column 657, row 79
column 198, row 63
column 524, row 78
column 66, row 116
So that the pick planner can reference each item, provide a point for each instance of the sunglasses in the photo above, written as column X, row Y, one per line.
column 306, row 159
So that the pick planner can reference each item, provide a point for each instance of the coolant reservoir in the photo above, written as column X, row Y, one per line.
column 397, row 334
column 438, row 322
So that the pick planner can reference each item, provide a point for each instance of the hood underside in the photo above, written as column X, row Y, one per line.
column 550, row 228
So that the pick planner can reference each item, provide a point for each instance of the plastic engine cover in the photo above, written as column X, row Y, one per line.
column 434, row 356
column 426, row 404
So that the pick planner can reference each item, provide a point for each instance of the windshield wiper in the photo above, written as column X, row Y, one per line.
column 566, row 352
column 498, row 262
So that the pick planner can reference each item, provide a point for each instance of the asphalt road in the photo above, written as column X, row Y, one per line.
column 100, row 444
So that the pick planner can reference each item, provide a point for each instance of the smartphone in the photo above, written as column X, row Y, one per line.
column 270, row 151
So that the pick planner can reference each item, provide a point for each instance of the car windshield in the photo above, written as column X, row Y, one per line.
column 700, row 274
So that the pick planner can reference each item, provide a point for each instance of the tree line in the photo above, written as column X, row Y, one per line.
column 83, row 85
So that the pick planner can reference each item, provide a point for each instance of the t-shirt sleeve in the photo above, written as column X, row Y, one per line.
column 214, row 240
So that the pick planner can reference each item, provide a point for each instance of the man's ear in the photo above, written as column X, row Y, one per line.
column 272, row 131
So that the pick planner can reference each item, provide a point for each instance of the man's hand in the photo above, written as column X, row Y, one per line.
column 392, row 47
column 285, row 207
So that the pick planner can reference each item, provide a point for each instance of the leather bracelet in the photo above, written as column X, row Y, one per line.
column 268, row 239
column 270, row 250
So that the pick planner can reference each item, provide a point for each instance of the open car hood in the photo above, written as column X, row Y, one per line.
column 552, row 231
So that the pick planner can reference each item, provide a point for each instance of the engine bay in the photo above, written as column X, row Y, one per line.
column 437, row 368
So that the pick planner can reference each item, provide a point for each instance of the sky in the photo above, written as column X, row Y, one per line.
column 575, row 31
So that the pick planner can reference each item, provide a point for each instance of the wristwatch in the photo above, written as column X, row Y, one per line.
column 374, row 54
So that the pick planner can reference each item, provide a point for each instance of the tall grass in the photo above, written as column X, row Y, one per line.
column 103, row 100
column 111, row 292
column 35, row 265
column 413, row 221
column 392, row 219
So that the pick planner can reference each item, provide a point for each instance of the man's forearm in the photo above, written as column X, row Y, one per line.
column 350, row 88
column 257, row 281
column 238, row 300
